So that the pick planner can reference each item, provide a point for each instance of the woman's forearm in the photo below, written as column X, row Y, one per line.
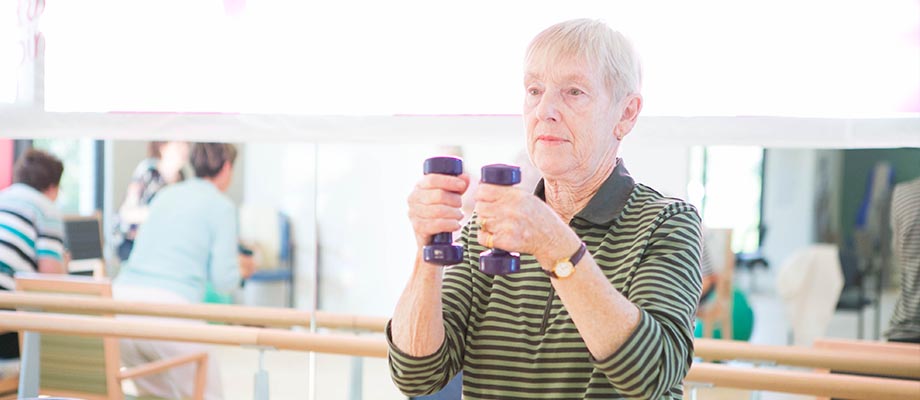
column 604, row 317
column 418, row 327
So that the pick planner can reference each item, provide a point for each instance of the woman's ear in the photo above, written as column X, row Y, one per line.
column 225, row 176
column 628, row 118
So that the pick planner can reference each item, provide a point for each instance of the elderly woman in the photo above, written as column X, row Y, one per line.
column 618, row 324
column 188, row 242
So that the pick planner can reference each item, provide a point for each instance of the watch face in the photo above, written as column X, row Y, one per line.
column 564, row 269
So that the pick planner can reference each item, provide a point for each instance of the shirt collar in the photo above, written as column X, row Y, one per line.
column 609, row 200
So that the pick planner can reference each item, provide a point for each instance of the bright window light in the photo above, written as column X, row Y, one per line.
column 10, row 51
column 714, row 57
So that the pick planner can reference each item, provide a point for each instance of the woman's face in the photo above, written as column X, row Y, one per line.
column 569, row 116
column 174, row 155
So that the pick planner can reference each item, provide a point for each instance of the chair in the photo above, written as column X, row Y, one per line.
column 855, row 296
column 89, row 367
column 718, row 244
column 753, row 260
column 268, row 231
column 83, row 239
column 868, row 250
column 8, row 386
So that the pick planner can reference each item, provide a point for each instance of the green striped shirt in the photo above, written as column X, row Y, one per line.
column 513, row 338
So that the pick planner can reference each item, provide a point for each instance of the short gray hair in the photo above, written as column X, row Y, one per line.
column 596, row 43
column 207, row 159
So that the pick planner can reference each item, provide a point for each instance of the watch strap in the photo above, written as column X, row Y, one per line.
column 574, row 259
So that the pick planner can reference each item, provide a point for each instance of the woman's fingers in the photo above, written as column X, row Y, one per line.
column 434, row 205
column 455, row 184
column 436, row 211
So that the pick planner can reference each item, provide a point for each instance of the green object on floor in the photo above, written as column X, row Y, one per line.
column 212, row 297
column 742, row 319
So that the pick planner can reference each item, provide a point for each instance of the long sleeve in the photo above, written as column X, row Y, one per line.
column 224, row 265
column 417, row 376
column 666, row 289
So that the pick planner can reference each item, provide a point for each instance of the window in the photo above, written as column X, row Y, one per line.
column 726, row 184
column 10, row 51
column 78, row 184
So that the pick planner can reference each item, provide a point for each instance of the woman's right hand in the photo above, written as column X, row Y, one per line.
column 247, row 265
column 434, row 205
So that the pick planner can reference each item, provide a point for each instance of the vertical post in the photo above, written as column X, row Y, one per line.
column 311, row 389
column 357, row 378
column 29, row 374
column 260, row 386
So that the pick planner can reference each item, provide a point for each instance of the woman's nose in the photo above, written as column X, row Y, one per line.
column 548, row 108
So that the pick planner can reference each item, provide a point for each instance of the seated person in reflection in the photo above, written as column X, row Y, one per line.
column 31, row 228
column 162, row 167
column 621, row 324
column 188, row 242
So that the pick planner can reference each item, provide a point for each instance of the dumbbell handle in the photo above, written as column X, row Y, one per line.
column 440, row 249
column 498, row 261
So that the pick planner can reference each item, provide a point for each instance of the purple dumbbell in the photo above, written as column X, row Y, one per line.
column 441, row 249
column 498, row 261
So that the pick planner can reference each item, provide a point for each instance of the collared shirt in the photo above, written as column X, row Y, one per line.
column 514, row 339
column 905, row 229
column 31, row 228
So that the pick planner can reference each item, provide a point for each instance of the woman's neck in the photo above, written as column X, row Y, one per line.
column 569, row 196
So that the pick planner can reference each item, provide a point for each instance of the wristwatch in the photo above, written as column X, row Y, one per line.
column 565, row 267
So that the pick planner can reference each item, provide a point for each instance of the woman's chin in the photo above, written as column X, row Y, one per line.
column 553, row 170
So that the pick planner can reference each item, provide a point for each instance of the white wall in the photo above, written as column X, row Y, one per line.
column 788, row 204
column 367, row 247
column 663, row 167
column 282, row 176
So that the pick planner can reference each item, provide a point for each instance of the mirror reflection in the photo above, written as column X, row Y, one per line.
column 324, row 225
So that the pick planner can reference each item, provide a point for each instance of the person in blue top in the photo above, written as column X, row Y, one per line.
column 189, row 241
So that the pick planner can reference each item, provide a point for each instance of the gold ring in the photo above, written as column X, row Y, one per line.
column 489, row 243
column 482, row 224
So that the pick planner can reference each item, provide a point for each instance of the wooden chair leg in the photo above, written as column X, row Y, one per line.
column 201, row 378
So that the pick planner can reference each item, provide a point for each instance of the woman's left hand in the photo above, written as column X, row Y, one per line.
column 518, row 221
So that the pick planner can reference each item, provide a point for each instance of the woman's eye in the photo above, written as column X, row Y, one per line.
column 575, row 92
column 533, row 91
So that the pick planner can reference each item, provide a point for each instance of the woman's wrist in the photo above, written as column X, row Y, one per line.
column 560, row 249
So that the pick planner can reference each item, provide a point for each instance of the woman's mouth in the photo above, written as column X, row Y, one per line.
column 549, row 139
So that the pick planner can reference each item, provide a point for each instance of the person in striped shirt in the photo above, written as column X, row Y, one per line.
column 617, row 326
column 31, row 228
column 905, row 229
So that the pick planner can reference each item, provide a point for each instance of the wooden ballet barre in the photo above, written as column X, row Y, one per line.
column 176, row 331
column 901, row 365
column 904, row 365
column 809, row 383
column 244, row 315
column 868, row 346
column 806, row 383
